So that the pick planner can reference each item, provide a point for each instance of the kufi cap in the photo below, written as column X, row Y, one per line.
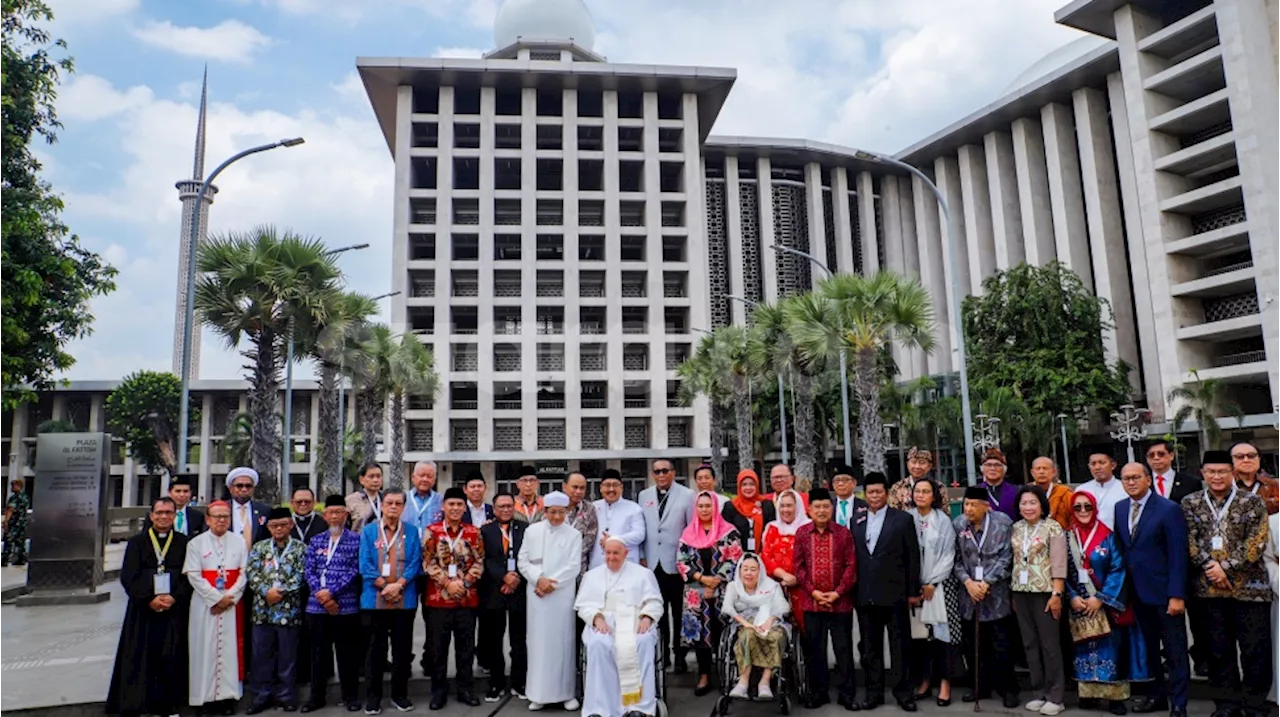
column 455, row 492
column 920, row 453
column 240, row 472
column 279, row 512
column 528, row 471
column 556, row 499
column 841, row 469
column 976, row 492
column 335, row 501
column 1218, row 457
column 611, row 474
column 874, row 478
column 474, row 475
column 819, row 494
column 994, row 454
column 186, row 479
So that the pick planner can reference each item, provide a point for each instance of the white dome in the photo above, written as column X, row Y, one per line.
column 544, row 20
column 1064, row 55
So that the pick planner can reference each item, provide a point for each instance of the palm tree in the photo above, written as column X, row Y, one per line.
column 236, row 443
column 701, row 376
column 729, row 349
column 413, row 373
column 372, row 381
column 772, row 350
column 1204, row 400
column 859, row 316
column 259, row 285
column 392, row 367
column 333, row 348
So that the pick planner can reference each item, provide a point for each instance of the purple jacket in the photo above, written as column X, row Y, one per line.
column 336, row 573
column 1004, row 499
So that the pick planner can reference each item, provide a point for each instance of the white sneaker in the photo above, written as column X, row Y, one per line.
column 572, row 706
column 764, row 693
column 1051, row 708
column 1035, row 705
column 536, row 706
column 739, row 692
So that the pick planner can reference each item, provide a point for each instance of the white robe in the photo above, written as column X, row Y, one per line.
column 554, row 552
column 214, row 665
column 601, row 589
column 624, row 519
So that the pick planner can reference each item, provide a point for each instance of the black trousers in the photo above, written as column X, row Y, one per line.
column 456, row 624
column 1160, row 628
column 707, row 655
column 994, row 661
column 839, row 625
column 425, row 663
column 934, row 660
column 1247, row 626
column 335, row 635
column 396, row 627
column 492, row 626
column 873, row 621
column 672, row 588
column 1201, row 648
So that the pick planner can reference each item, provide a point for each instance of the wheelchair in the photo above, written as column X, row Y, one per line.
column 659, row 675
column 790, row 682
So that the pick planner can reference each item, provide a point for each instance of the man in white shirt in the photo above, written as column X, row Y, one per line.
column 479, row 513
column 617, row 516
column 1105, row 487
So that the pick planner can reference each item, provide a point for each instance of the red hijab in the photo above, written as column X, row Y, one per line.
column 1091, row 533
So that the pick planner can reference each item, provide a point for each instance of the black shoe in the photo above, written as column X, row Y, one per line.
column 258, row 708
column 402, row 704
column 944, row 702
column 1011, row 700
column 493, row 695
column 1117, row 707
column 373, row 707
column 1202, row 669
column 437, row 702
column 870, row 703
column 908, row 705
column 311, row 707
column 1147, row 705
column 228, row 708
column 468, row 699
column 1089, row 703
column 816, row 701
column 702, row 690
column 972, row 696
column 353, row 706
column 848, row 703
column 682, row 667
column 1178, row 712
column 289, row 708
column 1227, row 712
column 924, row 695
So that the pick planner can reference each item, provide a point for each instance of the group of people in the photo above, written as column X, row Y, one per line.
column 277, row 596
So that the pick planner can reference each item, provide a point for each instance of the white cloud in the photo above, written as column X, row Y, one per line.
column 228, row 41
column 90, row 98
column 468, row 53
column 84, row 12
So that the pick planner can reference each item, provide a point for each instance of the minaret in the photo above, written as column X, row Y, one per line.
column 188, row 189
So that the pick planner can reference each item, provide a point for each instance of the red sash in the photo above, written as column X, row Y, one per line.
column 231, row 576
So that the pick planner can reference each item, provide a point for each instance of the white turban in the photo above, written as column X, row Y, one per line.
column 242, row 471
column 556, row 499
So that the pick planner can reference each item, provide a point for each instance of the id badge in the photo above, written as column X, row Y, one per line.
column 1024, row 577
column 161, row 583
column 511, row 565
column 1217, row 543
column 453, row 571
column 220, row 583
column 751, row 545
column 1084, row 576
column 386, row 570
column 977, row 573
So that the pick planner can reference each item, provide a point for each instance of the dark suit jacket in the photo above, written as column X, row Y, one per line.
column 260, row 512
column 495, row 567
column 1159, row 546
column 195, row 522
column 891, row 574
column 316, row 527
column 743, row 523
column 488, row 516
column 1184, row 484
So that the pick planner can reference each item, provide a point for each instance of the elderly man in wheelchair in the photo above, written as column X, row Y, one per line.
column 756, row 604
column 621, row 604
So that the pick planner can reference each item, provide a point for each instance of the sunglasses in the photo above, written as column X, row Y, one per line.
column 661, row 471
column 242, row 486
column 1245, row 456
column 1082, row 508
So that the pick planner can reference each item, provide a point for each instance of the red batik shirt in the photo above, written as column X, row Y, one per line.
column 825, row 561
column 463, row 549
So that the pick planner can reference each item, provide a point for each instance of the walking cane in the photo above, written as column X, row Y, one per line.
column 977, row 660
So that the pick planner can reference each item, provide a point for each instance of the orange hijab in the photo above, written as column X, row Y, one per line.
column 750, row 508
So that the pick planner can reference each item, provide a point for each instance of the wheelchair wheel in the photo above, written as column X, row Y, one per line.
column 799, row 670
column 662, row 708
column 784, row 706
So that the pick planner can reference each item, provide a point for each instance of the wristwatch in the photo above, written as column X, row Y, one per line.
column 1056, row 594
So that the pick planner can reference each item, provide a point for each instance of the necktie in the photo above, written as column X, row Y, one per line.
column 1160, row 486
column 506, row 542
column 245, row 516
column 1133, row 516
column 182, row 522
column 843, row 518
column 662, row 503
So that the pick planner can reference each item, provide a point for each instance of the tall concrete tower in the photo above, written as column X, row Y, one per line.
column 188, row 189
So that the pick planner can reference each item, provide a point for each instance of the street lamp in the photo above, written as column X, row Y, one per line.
column 952, row 235
column 1129, row 427
column 1066, row 460
column 988, row 432
column 782, row 395
column 193, row 238
column 285, row 471
column 844, row 371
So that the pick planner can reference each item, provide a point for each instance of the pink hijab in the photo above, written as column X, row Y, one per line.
column 697, row 538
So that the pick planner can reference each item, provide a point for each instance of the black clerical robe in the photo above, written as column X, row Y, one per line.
column 150, row 675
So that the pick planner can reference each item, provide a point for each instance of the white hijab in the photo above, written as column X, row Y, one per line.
column 801, row 519
column 766, row 588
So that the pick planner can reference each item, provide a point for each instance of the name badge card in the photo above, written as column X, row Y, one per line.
column 511, row 565
column 161, row 583
column 1024, row 577
column 386, row 570
column 751, row 544
column 1084, row 576
column 977, row 573
column 1217, row 543
column 453, row 571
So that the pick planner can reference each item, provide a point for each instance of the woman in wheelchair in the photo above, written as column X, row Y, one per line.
column 757, row 603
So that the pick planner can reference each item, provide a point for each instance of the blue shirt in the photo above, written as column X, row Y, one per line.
column 875, row 522
column 420, row 513
column 335, row 573
column 410, row 564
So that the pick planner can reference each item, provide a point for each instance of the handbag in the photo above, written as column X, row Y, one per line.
column 919, row 630
column 1083, row 625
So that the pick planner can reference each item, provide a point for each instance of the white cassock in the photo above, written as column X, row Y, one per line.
column 215, row 668
column 554, row 552
column 622, row 519
column 619, row 665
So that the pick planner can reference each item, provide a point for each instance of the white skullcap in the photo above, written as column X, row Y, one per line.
column 556, row 499
column 618, row 540
column 242, row 471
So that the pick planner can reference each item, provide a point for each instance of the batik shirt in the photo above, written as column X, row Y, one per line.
column 1041, row 553
column 996, row 558
column 271, row 566
column 583, row 518
column 335, row 573
column 1244, row 532
column 465, row 551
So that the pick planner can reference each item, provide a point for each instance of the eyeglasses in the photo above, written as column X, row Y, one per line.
column 1131, row 479
column 163, row 512
column 661, row 471
column 220, row 517
column 1245, row 456
column 303, row 501
column 1082, row 508
column 242, row 486
column 992, row 465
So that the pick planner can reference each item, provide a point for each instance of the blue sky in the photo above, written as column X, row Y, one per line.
column 870, row 73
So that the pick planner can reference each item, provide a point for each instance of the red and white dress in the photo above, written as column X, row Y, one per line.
column 215, row 565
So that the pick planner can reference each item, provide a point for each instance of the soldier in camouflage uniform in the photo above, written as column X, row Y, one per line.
column 15, row 525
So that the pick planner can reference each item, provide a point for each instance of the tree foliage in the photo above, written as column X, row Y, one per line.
column 1204, row 399
column 47, row 277
column 1037, row 331
column 143, row 411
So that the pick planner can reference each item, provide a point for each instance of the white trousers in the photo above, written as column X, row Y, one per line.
column 603, row 695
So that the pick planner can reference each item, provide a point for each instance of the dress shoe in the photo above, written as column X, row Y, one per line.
column 848, row 703
column 311, row 707
column 681, row 668
column 1011, row 700
column 468, row 699
column 1148, row 704
column 972, row 696
column 701, row 690
column 944, row 702
column 924, row 694
column 1202, row 669
column 1118, row 708
column 289, row 708
column 870, row 703
column 353, row 706
column 437, row 702
column 1089, row 703
column 1178, row 712
column 816, row 701
column 908, row 705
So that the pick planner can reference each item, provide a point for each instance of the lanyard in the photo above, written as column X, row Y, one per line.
column 1257, row 485
column 506, row 538
column 1219, row 515
column 377, row 507
column 992, row 497
column 297, row 526
column 451, row 542
column 1085, row 542
column 160, row 552
column 328, row 558
column 382, row 529
column 278, row 555
column 219, row 551
column 986, row 523
column 420, row 506
column 1027, row 537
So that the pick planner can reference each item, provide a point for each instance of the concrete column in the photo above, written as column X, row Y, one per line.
column 929, row 249
column 529, row 250
column 1071, row 236
column 441, row 424
column 840, row 217
column 572, row 314
column 911, row 256
column 129, row 498
column 817, row 219
column 613, row 275
column 734, row 264
column 867, row 224
column 1106, row 227
column 978, row 233
column 206, row 446
column 947, row 176
column 891, row 201
column 400, row 217
column 1006, row 213
column 1033, row 192
column 768, row 256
